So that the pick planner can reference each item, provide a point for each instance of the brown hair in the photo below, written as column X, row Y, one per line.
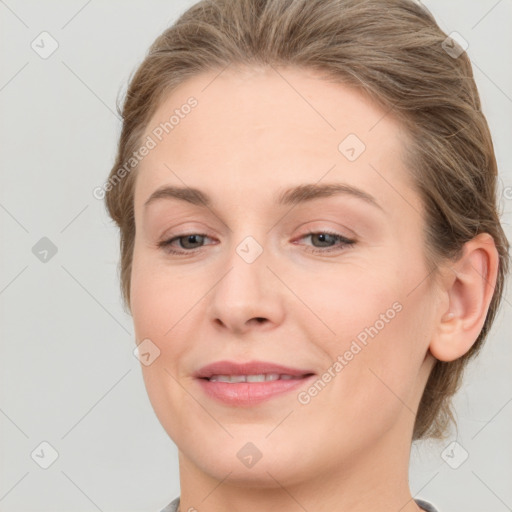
column 392, row 50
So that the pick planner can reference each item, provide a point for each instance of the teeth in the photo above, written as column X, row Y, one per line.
column 262, row 377
column 254, row 378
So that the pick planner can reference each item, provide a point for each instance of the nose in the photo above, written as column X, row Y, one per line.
column 248, row 295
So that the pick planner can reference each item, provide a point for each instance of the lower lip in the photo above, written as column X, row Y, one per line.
column 250, row 393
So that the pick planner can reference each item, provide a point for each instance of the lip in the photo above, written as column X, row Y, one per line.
column 249, row 393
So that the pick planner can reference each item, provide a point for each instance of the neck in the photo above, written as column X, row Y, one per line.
column 375, row 479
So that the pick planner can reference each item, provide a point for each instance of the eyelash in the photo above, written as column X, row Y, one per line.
column 345, row 243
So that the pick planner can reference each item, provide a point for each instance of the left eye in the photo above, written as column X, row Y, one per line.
column 327, row 237
column 188, row 242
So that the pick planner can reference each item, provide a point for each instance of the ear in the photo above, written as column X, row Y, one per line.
column 467, row 289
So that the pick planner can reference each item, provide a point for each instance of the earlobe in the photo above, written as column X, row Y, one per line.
column 469, row 288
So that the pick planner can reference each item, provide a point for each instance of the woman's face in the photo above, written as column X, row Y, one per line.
column 350, row 303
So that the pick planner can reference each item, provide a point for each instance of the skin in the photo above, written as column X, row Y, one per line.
column 254, row 132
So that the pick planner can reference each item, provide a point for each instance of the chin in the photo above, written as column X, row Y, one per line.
column 257, row 461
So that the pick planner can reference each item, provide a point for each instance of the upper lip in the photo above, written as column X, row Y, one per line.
column 248, row 368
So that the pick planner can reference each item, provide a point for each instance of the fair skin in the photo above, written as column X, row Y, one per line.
column 254, row 133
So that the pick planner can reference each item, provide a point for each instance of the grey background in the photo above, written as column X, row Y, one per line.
column 67, row 372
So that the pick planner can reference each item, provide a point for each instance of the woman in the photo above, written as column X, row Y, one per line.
column 310, row 247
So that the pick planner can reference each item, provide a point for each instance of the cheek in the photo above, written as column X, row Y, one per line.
column 348, row 300
column 162, row 303
column 380, row 328
column 159, row 298
column 159, row 305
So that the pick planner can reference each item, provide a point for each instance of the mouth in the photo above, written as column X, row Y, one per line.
column 247, row 384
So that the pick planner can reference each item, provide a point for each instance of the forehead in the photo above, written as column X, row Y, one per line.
column 252, row 129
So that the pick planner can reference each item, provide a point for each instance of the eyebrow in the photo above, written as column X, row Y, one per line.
column 288, row 197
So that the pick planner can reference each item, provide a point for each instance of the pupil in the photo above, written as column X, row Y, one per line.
column 191, row 239
column 322, row 236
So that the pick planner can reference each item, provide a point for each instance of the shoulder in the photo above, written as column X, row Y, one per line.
column 425, row 505
column 173, row 506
